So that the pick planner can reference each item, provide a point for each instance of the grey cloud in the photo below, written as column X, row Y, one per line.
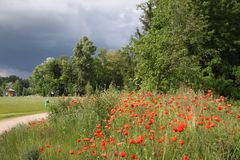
column 31, row 32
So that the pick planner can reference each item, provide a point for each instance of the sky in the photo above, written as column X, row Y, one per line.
column 32, row 30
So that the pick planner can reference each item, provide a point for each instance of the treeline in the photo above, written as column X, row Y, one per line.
column 83, row 72
column 193, row 43
column 21, row 86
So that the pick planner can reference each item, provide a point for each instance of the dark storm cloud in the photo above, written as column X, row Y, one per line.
column 32, row 30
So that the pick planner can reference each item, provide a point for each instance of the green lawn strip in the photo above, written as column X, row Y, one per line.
column 20, row 106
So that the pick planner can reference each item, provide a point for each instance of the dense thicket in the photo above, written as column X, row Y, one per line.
column 190, row 42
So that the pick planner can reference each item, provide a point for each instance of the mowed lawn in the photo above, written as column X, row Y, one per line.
column 19, row 106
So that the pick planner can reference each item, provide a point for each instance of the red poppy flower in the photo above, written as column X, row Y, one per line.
column 208, row 118
column 85, row 147
column 111, row 140
column 103, row 148
column 122, row 154
column 93, row 145
column 174, row 138
column 48, row 145
column 98, row 131
column 161, row 128
column 98, row 126
column 71, row 151
column 140, row 139
column 151, row 137
column 162, row 139
column 104, row 155
column 86, row 139
column 180, row 129
column 181, row 142
column 152, row 131
column 134, row 156
column 219, row 108
column 79, row 152
column 126, row 126
column 165, row 112
column 41, row 149
column 125, row 132
column 238, row 117
column 216, row 118
column 94, row 153
column 131, row 141
column 185, row 157
column 150, row 122
column 146, row 126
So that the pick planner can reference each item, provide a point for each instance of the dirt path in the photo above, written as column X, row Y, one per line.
column 7, row 124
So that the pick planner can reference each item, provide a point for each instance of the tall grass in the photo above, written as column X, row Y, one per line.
column 112, row 125
column 69, row 119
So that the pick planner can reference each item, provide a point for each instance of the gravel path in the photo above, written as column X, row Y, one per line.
column 7, row 124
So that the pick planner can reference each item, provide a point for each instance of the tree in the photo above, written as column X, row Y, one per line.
column 220, row 60
column 100, row 80
column 46, row 77
column 192, row 42
column 166, row 53
column 113, row 66
column 18, row 87
column 66, row 79
column 82, row 62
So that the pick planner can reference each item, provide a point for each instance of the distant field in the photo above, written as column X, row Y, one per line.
column 19, row 106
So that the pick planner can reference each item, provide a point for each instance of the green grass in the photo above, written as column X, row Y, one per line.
column 19, row 106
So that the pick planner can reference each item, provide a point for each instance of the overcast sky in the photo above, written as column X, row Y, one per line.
column 32, row 30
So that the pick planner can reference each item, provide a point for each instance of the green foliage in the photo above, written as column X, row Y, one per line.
column 101, row 103
column 113, row 66
column 188, row 42
column 70, row 75
column 164, row 60
column 221, row 55
column 45, row 77
column 31, row 154
column 88, row 89
column 54, row 75
column 82, row 62
column 18, row 84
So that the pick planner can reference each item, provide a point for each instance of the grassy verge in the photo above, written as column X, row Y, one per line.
column 112, row 125
column 19, row 106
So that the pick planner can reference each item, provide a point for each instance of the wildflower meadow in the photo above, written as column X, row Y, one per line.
column 143, row 125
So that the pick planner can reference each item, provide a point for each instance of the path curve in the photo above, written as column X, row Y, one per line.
column 7, row 124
